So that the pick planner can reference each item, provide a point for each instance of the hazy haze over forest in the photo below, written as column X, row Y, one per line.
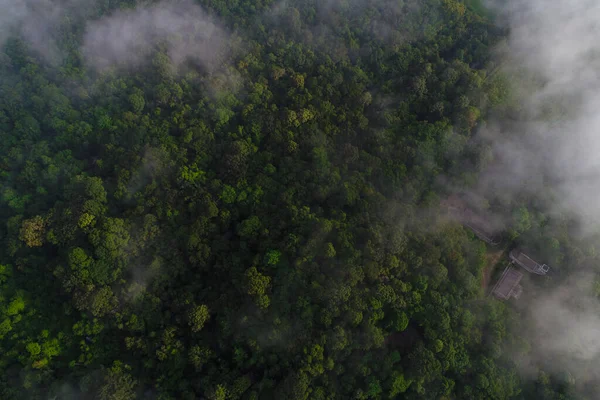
column 550, row 148
column 245, row 229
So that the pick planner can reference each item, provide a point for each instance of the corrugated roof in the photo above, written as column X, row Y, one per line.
column 527, row 262
column 508, row 285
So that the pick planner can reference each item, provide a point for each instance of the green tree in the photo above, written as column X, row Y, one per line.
column 198, row 316
column 137, row 102
column 32, row 231
column 118, row 383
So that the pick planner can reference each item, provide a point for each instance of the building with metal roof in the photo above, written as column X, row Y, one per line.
column 509, row 284
column 526, row 262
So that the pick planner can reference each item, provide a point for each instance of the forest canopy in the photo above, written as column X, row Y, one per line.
column 240, row 200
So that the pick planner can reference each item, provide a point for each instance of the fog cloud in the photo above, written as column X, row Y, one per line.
column 563, row 327
column 548, row 146
column 123, row 38
column 38, row 22
column 567, row 321
column 181, row 28
column 551, row 146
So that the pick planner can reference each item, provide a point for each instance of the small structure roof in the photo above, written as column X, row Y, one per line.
column 508, row 285
column 522, row 259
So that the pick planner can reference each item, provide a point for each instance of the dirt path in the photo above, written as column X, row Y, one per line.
column 491, row 259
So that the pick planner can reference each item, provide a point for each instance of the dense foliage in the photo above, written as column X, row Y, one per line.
column 264, row 229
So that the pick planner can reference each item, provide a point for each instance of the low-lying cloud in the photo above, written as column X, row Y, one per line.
column 551, row 146
column 548, row 147
column 124, row 38
column 183, row 29
column 38, row 22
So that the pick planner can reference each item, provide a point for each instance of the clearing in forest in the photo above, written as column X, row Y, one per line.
column 491, row 260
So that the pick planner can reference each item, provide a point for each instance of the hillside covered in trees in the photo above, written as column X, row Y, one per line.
column 239, row 199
